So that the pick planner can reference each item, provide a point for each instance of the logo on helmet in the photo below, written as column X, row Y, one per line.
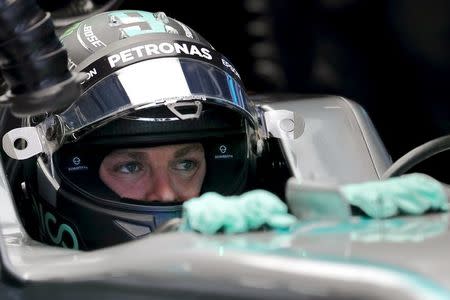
column 223, row 149
column 91, row 37
column 137, row 22
column 230, row 66
column 47, row 221
column 76, row 165
column 149, row 50
column 224, row 154
column 76, row 160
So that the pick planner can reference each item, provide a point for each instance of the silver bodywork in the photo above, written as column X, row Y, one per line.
column 338, row 142
column 400, row 258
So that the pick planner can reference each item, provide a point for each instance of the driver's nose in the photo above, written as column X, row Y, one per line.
column 160, row 188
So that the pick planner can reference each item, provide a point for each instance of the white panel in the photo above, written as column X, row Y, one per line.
column 154, row 79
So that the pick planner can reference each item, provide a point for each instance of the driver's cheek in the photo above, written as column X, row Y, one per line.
column 183, row 188
column 136, row 189
column 187, row 187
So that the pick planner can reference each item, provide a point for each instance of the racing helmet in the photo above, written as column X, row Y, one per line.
column 149, row 82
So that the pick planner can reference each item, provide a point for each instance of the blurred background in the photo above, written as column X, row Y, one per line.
column 392, row 57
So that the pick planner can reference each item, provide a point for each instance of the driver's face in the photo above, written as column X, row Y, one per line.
column 164, row 173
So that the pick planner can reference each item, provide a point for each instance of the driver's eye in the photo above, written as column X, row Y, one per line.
column 185, row 165
column 129, row 168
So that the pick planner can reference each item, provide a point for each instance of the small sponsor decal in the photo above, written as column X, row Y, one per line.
column 77, row 165
column 91, row 37
column 224, row 154
column 230, row 67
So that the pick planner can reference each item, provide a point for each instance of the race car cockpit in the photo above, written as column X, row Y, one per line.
column 110, row 129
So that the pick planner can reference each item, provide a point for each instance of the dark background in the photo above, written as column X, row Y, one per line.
column 392, row 57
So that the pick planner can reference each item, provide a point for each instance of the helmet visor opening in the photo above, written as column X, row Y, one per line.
column 126, row 176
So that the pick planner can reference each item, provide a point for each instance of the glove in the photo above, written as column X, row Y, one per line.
column 411, row 194
column 212, row 212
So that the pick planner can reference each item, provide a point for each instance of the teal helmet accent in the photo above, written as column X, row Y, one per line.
column 97, row 32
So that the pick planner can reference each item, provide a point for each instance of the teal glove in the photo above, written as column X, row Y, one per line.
column 212, row 212
column 411, row 194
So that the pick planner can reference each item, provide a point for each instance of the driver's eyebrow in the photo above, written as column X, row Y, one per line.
column 187, row 149
column 137, row 155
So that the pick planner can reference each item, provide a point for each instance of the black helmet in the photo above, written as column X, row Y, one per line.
column 152, row 83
